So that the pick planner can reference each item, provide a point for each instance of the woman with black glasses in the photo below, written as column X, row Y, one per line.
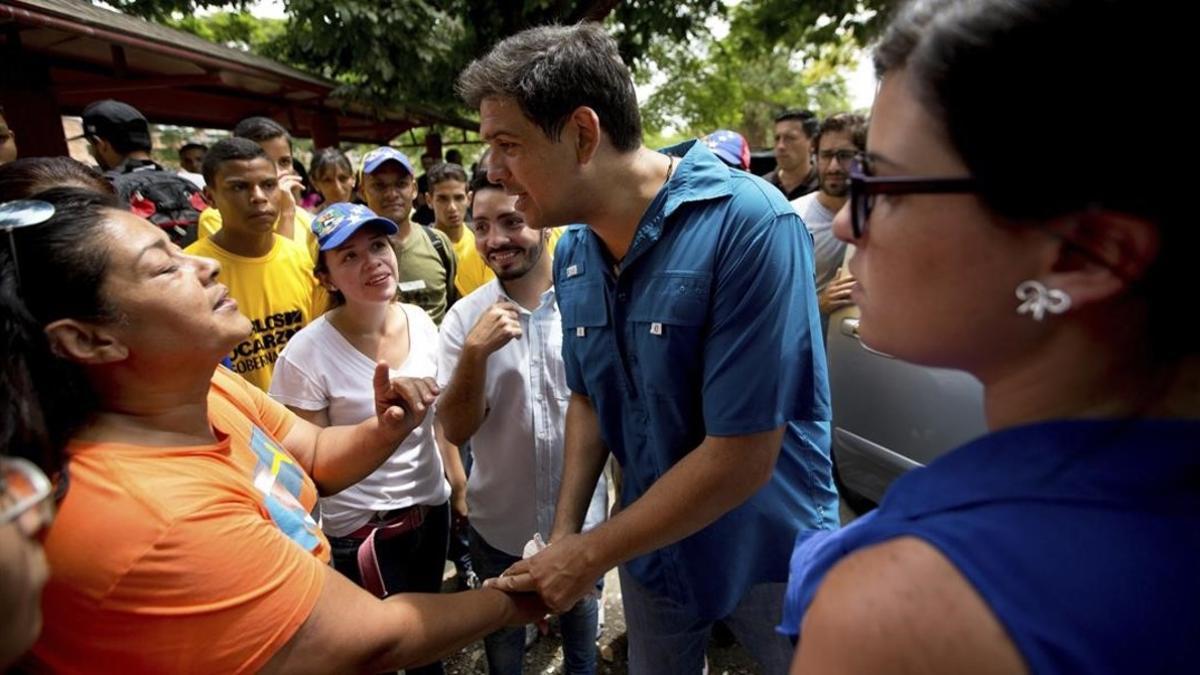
column 999, row 231
column 185, row 540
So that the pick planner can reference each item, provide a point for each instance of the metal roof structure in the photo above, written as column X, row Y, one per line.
column 60, row 55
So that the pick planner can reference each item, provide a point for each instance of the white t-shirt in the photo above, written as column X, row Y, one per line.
column 320, row 369
column 828, row 250
column 518, row 449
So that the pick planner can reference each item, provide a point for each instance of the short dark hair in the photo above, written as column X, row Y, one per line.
column 807, row 119
column 851, row 123
column 961, row 57
column 25, row 177
column 552, row 70
column 445, row 171
column 480, row 181
column 192, row 146
column 454, row 156
column 229, row 150
column 259, row 129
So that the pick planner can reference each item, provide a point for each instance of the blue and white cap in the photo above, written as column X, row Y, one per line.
column 338, row 222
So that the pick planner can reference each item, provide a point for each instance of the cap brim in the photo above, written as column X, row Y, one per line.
column 371, row 167
column 725, row 156
column 345, row 233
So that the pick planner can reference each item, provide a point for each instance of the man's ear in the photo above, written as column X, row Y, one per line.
column 84, row 342
column 586, row 126
column 1101, row 253
column 208, row 196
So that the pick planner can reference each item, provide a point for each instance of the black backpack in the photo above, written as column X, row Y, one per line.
column 447, row 267
column 170, row 201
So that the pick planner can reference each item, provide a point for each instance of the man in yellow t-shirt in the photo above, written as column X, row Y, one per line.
column 277, row 143
column 449, row 196
column 270, row 277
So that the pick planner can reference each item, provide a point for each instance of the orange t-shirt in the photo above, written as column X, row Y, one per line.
column 184, row 559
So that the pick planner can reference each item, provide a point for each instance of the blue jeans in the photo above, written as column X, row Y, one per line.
column 410, row 563
column 664, row 637
column 505, row 648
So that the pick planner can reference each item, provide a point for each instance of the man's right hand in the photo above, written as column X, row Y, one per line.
column 497, row 327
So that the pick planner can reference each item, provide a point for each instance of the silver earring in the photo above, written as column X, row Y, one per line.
column 1037, row 300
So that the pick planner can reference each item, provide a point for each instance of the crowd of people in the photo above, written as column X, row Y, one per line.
column 243, row 429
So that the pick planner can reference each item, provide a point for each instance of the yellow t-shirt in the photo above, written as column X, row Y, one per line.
column 210, row 222
column 279, row 294
column 472, row 271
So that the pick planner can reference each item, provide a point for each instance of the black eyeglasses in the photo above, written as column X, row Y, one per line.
column 844, row 157
column 863, row 189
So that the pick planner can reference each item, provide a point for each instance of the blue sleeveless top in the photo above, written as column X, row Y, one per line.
column 1083, row 537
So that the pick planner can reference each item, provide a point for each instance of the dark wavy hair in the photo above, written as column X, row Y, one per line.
column 45, row 399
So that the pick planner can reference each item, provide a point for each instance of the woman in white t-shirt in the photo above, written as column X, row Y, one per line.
column 389, row 531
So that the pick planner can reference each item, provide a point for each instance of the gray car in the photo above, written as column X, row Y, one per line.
column 890, row 416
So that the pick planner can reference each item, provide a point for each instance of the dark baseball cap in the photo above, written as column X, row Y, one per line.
column 118, row 123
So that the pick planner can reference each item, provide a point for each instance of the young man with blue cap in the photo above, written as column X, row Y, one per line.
column 425, row 256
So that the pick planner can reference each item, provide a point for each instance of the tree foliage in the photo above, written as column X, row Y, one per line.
column 407, row 53
column 773, row 56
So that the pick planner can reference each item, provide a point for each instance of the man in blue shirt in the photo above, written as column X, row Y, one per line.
column 689, row 317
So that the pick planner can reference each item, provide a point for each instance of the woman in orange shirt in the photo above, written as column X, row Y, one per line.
column 185, row 540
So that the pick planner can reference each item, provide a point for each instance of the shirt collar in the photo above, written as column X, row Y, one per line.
column 544, row 300
column 699, row 176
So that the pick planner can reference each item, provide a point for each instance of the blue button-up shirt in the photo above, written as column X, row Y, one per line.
column 708, row 326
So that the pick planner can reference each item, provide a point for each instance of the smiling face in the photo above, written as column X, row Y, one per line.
column 363, row 268
column 503, row 239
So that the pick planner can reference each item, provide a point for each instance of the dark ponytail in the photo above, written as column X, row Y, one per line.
column 44, row 399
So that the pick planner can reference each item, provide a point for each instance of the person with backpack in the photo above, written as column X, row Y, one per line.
column 118, row 137
column 425, row 256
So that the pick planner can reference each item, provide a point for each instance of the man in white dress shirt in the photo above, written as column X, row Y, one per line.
column 504, row 389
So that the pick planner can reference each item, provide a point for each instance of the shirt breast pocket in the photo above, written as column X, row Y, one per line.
column 668, row 325
column 586, row 335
